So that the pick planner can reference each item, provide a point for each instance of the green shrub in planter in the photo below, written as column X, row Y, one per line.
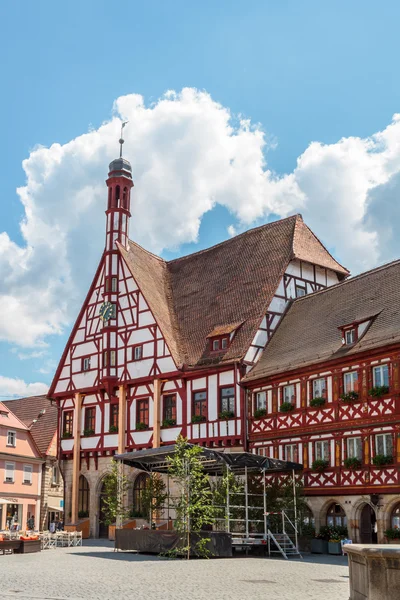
column 392, row 534
column 352, row 463
column 320, row 465
column 381, row 460
column 66, row 435
column 141, row 426
column 226, row 414
column 260, row 412
column 88, row 432
column 378, row 391
column 286, row 407
column 316, row 402
column 349, row 397
column 113, row 429
column 169, row 422
column 198, row 419
column 83, row 514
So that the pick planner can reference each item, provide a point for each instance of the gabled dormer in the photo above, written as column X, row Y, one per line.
column 353, row 332
column 221, row 337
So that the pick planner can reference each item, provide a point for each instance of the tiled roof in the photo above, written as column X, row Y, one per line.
column 232, row 282
column 8, row 418
column 27, row 409
column 309, row 331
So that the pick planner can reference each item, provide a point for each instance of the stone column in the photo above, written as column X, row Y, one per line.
column 76, row 457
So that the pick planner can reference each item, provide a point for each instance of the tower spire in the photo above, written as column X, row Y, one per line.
column 121, row 139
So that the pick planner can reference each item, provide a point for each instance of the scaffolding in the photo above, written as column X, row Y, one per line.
column 245, row 515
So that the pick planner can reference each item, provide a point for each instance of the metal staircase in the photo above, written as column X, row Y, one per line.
column 283, row 545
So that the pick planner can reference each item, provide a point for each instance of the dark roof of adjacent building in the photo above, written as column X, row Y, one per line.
column 28, row 409
column 230, row 283
column 309, row 332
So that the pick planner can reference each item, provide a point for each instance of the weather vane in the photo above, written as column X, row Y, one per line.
column 121, row 139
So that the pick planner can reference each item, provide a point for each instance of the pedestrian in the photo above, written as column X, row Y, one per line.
column 30, row 524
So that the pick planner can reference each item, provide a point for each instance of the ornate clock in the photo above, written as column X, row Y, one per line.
column 107, row 311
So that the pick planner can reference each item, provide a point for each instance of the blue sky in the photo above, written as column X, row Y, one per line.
column 304, row 71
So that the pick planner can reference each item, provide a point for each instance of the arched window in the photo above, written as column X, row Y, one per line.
column 83, row 497
column 125, row 198
column 117, row 195
column 335, row 516
column 139, row 486
column 395, row 518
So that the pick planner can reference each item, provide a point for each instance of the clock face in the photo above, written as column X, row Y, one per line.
column 106, row 311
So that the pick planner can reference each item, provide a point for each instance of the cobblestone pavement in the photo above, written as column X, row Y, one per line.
column 94, row 571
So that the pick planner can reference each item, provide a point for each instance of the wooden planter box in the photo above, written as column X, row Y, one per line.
column 29, row 546
column 319, row 546
column 334, row 548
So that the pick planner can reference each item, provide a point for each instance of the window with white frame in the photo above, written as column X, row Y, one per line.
column 261, row 401
column 291, row 452
column 215, row 345
column 86, row 364
column 289, row 393
column 300, row 290
column 380, row 375
column 350, row 382
column 349, row 336
column 384, row 444
column 11, row 438
column 28, row 470
column 319, row 388
column 9, row 472
column 354, row 447
column 321, row 450
column 113, row 358
column 137, row 352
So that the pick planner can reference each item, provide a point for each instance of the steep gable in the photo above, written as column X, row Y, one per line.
column 310, row 331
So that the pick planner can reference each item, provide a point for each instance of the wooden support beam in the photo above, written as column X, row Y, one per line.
column 76, row 457
column 122, row 420
column 156, row 413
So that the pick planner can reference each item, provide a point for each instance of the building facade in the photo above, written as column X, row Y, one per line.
column 159, row 348
column 20, row 472
column 41, row 418
column 326, row 393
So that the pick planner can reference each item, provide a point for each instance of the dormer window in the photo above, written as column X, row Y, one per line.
column 350, row 336
column 221, row 337
column 224, row 343
column 215, row 345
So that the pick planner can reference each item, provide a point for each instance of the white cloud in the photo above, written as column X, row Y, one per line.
column 231, row 229
column 187, row 155
column 17, row 388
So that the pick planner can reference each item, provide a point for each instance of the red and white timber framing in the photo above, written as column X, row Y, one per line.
column 299, row 434
column 300, row 278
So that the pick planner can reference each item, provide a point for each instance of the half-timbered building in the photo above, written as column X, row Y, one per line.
column 159, row 347
column 326, row 393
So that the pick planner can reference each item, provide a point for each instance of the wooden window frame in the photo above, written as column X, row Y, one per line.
column 68, row 422
column 203, row 401
column 143, row 410
column 384, row 434
column 134, row 348
column 295, row 393
column 256, row 407
column 172, row 407
column 298, row 286
column 114, row 414
column 322, row 442
column 84, row 359
column 222, row 343
column 90, row 418
column 346, row 447
column 381, row 366
column 227, row 387
column 296, row 452
column 14, row 434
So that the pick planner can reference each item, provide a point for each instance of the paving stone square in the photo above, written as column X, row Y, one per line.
column 95, row 571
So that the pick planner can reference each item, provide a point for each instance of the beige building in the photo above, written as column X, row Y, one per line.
column 40, row 417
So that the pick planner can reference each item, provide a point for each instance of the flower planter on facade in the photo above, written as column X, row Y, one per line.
column 334, row 548
column 319, row 546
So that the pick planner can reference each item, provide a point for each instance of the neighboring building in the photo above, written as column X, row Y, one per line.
column 20, row 472
column 159, row 348
column 334, row 361
column 41, row 417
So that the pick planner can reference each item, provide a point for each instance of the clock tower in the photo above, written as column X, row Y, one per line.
column 119, row 185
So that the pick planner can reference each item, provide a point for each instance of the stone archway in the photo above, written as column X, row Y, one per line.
column 368, row 525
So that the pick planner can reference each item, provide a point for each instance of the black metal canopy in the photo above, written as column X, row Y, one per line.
column 156, row 460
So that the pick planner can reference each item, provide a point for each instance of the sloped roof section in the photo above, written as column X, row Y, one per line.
column 151, row 275
column 9, row 419
column 309, row 332
column 28, row 409
column 230, row 283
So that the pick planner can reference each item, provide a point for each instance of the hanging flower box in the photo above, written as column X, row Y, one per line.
column 198, row 419
column 349, row 397
column 380, row 460
column 320, row 465
column 286, row 407
column 259, row 413
column 352, row 463
column 169, row 422
column 378, row 391
column 141, row 426
column 317, row 402
column 226, row 414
